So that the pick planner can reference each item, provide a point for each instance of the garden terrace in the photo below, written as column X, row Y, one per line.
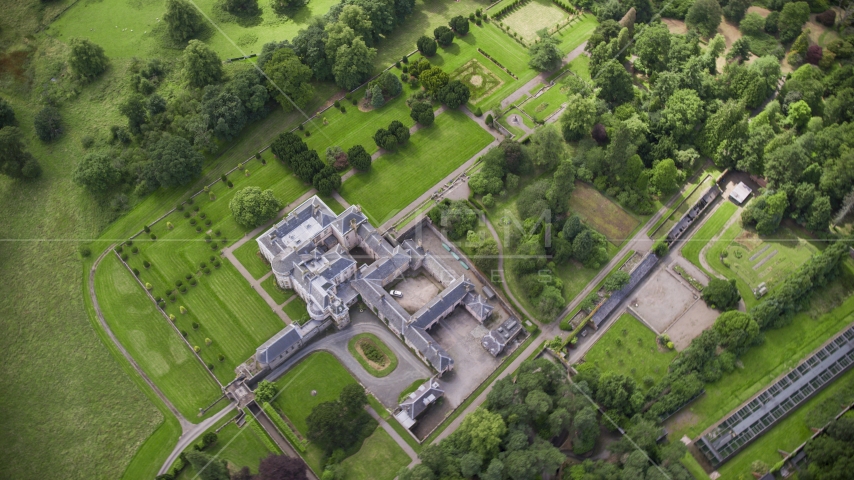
column 751, row 420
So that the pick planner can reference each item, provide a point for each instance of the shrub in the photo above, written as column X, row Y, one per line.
column 207, row 270
column 208, row 222
column 826, row 18
column 202, row 215
column 207, row 238
column 188, row 276
column 148, row 286
column 213, row 246
column 172, row 298
column 193, row 282
column 146, row 228
column 153, row 236
column 184, row 333
column 192, row 221
column 203, row 265
column 195, row 325
column 230, row 185
column 196, row 208
column 172, row 317
column 199, row 228
column 221, row 357
column 216, row 264
column 405, row 59
column 489, row 119
column 337, row 104
column 135, row 272
column 134, row 250
column 197, row 349
column 208, row 341
column 426, row 45
column 211, row 258
column 186, row 214
column 169, row 226
column 814, row 54
column 373, row 353
column 85, row 251
column 124, row 257
column 348, row 95
column 183, row 289
column 223, row 178
column 477, row 112
column 129, row 243
column 343, row 109
column 216, row 232
column 146, row 264
column 182, row 309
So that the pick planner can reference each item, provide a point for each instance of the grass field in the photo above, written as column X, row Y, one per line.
column 240, row 447
column 127, row 29
column 279, row 296
column 574, row 34
column 581, row 67
column 396, row 179
column 152, row 342
column 629, row 348
column 249, row 256
column 781, row 351
column 533, row 17
column 754, row 260
column 320, row 372
column 786, row 435
column 296, row 310
column 390, row 359
column 604, row 215
column 380, row 458
column 692, row 246
column 546, row 104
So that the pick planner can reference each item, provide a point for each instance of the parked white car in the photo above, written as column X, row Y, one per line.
column 396, row 293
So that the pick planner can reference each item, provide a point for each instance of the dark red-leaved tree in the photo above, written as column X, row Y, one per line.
column 814, row 54
column 281, row 467
column 599, row 134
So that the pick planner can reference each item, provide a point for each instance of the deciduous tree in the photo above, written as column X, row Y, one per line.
column 86, row 58
column 721, row 294
column 426, row 45
column 15, row 160
column 353, row 63
column 183, row 19
column 174, row 162
column 48, row 124
column 545, row 56
column 252, row 207
column 705, row 16
column 202, row 66
column 288, row 79
column 95, row 172
column 359, row 158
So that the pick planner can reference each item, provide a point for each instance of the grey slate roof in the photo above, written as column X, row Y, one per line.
column 432, row 351
column 639, row 273
column 495, row 341
column 417, row 402
column 278, row 344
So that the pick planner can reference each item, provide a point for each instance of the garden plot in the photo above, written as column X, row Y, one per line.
column 759, row 260
column 533, row 17
column 662, row 299
column 605, row 216
column 480, row 80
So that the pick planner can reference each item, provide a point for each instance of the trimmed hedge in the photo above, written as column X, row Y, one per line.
column 268, row 442
column 284, row 427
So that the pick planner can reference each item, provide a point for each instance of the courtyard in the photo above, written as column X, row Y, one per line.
column 533, row 17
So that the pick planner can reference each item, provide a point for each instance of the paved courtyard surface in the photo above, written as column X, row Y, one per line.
column 698, row 318
column 417, row 287
column 662, row 299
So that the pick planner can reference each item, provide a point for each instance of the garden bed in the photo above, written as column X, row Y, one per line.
column 372, row 354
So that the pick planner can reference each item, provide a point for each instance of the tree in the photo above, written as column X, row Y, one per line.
column 95, row 172
column 359, row 158
column 752, row 24
column 433, row 80
column 615, row 83
column 174, row 161
column 377, row 99
column 735, row 9
column 683, row 112
column 7, row 115
column 721, row 294
column 289, row 79
column 385, row 139
column 15, row 160
column 134, row 109
column 616, row 281
column 547, row 148
column 460, row 25
column 399, row 130
column 251, row 207
column 287, row 146
column 206, row 466
column 353, row 63
column 454, row 94
column 265, row 391
column 545, row 56
column 819, row 214
column 443, row 35
column 426, row 45
column 652, row 48
column 48, row 124
column 326, row 180
column 339, row 424
column 578, row 117
column 814, row 54
column 483, row 431
column 792, row 19
column 183, row 20
column 390, row 84
column 766, row 212
column 306, row 165
column 283, row 7
column 241, row 6
column 87, row 59
column 665, row 177
column 202, row 66
column 725, row 133
column 456, row 217
column 281, row 467
column 736, row 331
column 615, row 392
column 799, row 114
column 422, row 112
column 358, row 20
column 586, row 429
column 705, row 16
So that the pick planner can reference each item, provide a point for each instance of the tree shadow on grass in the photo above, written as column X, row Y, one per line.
column 452, row 49
column 248, row 18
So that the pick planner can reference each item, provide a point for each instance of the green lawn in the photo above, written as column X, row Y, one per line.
column 249, row 256
column 692, row 246
column 781, row 351
column 320, row 372
column 581, row 67
column 355, row 127
column 396, row 179
column 152, row 342
column 380, row 458
column 279, row 296
column 296, row 310
column 533, row 17
column 576, row 33
column 786, row 435
column 240, row 447
column 128, row 29
column 390, row 362
column 603, row 214
column 629, row 348
column 546, row 104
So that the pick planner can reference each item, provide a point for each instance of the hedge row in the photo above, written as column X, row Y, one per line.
column 497, row 63
column 250, row 420
column 284, row 427
column 509, row 9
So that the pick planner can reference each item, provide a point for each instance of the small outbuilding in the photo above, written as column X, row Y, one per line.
column 417, row 402
column 740, row 193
